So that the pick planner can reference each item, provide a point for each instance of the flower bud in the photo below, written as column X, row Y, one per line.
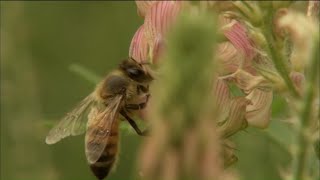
column 251, row 10
column 303, row 32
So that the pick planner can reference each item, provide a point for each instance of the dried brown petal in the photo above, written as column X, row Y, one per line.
column 228, row 148
column 298, row 80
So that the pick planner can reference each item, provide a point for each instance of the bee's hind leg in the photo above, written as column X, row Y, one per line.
column 134, row 125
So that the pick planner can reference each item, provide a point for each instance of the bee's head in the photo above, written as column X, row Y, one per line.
column 135, row 70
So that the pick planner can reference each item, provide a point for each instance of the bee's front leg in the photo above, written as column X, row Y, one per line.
column 134, row 125
column 135, row 106
column 138, row 106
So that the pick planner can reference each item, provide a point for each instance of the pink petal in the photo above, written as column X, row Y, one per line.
column 222, row 99
column 237, row 34
column 159, row 18
column 139, row 47
column 236, row 120
column 259, row 112
column 158, row 48
column 143, row 7
column 231, row 59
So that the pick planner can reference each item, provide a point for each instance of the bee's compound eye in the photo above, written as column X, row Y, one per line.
column 133, row 72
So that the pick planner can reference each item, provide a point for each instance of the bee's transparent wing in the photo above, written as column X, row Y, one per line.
column 99, row 128
column 74, row 123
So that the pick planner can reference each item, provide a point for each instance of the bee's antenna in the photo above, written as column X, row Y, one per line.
column 133, row 59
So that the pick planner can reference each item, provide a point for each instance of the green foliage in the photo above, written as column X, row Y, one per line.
column 85, row 73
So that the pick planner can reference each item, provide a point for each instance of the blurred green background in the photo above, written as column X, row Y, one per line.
column 40, row 42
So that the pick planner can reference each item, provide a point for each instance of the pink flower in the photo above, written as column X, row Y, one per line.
column 159, row 16
column 139, row 47
column 237, row 35
column 235, row 57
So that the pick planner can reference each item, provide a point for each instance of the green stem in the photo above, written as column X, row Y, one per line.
column 279, row 63
column 274, row 49
column 301, row 157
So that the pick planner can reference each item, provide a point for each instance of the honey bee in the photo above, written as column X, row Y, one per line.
column 113, row 97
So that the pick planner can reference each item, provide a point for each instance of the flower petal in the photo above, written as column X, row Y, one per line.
column 222, row 99
column 259, row 112
column 231, row 59
column 158, row 48
column 247, row 81
column 143, row 7
column 139, row 47
column 159, row 18
column 237, row 34
column 228, row 153
column 236, row 120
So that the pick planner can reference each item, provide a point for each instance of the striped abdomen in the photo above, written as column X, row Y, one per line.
column 108, row 158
